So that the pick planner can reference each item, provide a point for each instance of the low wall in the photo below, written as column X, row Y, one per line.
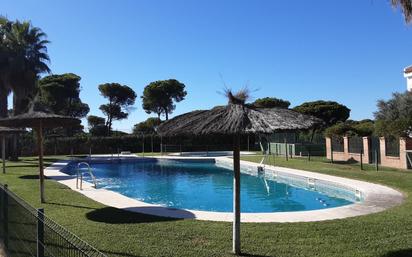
column 400, row 162
column 346, row 155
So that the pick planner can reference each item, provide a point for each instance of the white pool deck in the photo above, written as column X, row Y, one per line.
column 376, row 198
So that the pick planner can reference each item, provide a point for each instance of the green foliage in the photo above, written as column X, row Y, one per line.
column 406, row 7
column 270, row 102
column 364, row 128
column 96, row 125
column 94, row 121
column 359, row 128
column 159, row 96
column 328, row 111
column 121, row 98
column 147, row 127
column 23, row 57
column 394, row 117
column 339, row 129
column 61, row 94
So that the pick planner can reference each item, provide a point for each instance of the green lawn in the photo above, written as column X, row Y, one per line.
column 120, row 233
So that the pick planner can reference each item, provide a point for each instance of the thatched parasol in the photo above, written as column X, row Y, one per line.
column 5, row 131
column 38, row 118
column 235, row 119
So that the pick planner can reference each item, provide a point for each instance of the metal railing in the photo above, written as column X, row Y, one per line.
column 27, row 231
column 79, row 175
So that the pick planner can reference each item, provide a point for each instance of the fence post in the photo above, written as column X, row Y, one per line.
column 286, row 150
column 331, row 150
column 376, row 160
column 143, row 145
column 361, row 159
column 308, row 153
column 151, row 140
column 6, row 216
column 40, row 232
column 161, row 145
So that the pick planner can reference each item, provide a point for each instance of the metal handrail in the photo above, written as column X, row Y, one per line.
column 79, row 173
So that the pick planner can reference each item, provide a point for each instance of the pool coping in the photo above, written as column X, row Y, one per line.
column 376, row 198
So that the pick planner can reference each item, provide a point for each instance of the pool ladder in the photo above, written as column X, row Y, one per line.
column 80, row 174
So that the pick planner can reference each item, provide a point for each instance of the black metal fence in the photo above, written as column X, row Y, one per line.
column 392, row 146
column 337, row 144
column 26, row 231
column 355, row 144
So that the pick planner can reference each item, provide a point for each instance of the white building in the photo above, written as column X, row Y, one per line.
column 407, row 73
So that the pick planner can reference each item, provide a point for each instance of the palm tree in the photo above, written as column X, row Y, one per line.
column 26, row 60
column 406, row 6
column 5, row 27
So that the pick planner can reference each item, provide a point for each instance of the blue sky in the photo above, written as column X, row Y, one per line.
column 349, row 51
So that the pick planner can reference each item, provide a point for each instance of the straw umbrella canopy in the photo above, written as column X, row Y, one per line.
column 39, row 118
column 235, row 119
column 5, row 131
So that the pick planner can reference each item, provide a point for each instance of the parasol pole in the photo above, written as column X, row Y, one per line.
column 236, row 194
column 3, row 152
column 40, row 149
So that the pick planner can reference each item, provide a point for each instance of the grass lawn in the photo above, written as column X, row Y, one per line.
column 120, row 233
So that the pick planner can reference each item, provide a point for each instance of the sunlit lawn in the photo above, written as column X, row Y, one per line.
column 120, row 233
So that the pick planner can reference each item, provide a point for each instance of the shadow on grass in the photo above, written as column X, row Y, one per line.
column 71, row 205
column 252, row 255
column 22, row 166
column 113, row 215
column 399, row 253
column 31, row 177
column 111, row 253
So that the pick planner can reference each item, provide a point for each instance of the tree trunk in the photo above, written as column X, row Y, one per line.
column 3, row 102
column 236, row 194
column 167, row 115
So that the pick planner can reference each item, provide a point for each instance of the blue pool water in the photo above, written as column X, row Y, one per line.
column 206, row 186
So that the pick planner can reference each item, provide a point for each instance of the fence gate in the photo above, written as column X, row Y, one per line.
column 374, row 150
column 409, row 158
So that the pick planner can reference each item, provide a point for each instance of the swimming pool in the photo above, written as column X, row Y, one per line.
column 207, row 186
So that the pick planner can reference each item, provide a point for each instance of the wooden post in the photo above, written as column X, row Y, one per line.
column 248, row 146
column 40, row 150
column 151, row 140
column 236, row 194
column 3, row 152
column 161, row 145
column 55, row 145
